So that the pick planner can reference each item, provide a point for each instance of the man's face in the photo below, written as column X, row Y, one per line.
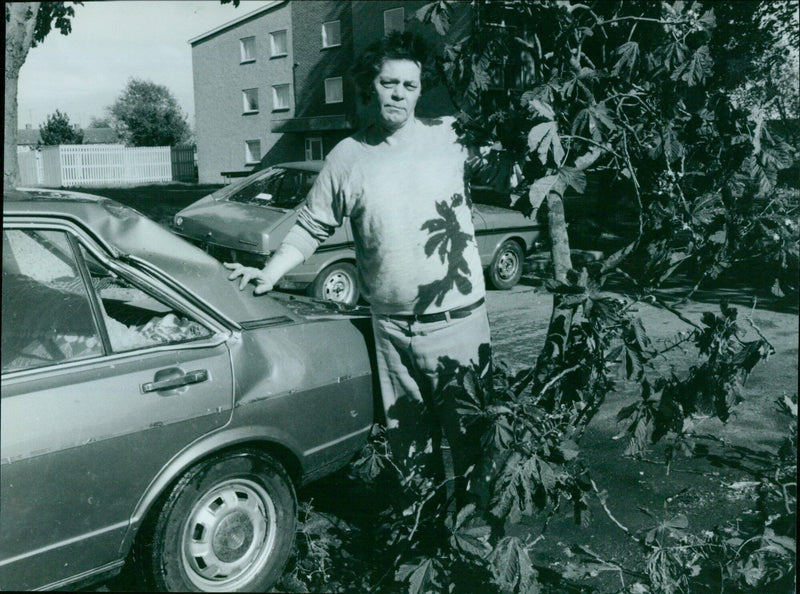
column 397, row 89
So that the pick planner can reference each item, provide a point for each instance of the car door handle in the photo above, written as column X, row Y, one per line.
column 193, row 377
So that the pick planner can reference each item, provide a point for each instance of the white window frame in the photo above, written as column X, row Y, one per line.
column 276, row 104
column 246, row 103
column 310, row 142
column 243, row 47
column 331, row 96
column 326, row 34
column 273, row 47
column 249, row 158
column 387, row 21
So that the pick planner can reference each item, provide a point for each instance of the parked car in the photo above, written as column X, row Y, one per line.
column 148, row 404
column 247, row 220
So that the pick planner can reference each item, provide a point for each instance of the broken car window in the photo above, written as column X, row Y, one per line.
column 47, row 317
column 135, row 319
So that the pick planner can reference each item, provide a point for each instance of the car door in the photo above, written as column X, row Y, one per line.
column 105, row 378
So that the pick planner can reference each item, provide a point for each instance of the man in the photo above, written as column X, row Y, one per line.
column 401, row 182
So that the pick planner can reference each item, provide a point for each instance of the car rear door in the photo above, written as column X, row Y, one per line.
column 105, row 379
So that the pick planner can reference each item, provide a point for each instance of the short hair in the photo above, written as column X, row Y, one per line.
column 394, row 46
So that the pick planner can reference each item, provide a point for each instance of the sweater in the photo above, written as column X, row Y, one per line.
column 410, row 216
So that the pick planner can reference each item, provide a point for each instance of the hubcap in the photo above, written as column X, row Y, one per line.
column 338, row 287
column 229, row 536
column 507, row 265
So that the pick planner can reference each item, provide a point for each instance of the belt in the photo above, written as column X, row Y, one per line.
column 459, row 312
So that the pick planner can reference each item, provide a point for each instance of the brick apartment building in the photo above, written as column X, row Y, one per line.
column 273, row 84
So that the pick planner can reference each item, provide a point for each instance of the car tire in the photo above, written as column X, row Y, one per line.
column 337, row 282
column 506, row 267
column 227, row 525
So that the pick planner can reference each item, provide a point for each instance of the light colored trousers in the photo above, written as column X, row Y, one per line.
column 415, row 362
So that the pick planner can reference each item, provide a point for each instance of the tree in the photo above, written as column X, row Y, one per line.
column 27, row 23
column 57, row 130
column 640, row 93
column 147, row 114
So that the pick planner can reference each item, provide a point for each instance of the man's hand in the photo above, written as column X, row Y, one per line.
column 248, row 274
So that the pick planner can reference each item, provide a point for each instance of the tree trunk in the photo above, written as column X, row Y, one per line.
column 561, row 317
column 20, row 25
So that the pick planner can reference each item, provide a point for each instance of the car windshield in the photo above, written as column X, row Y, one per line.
column 277, row 187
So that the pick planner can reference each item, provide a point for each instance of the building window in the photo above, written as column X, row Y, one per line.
column 280, row 97
column 394, row 20
column 250, row 100
column 331, row 34
column 247, row 48
column 333, row 90
column 252, row 151
column 314, row 148
column 277, row 43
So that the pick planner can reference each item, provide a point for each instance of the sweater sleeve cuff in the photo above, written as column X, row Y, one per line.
column 300, row 239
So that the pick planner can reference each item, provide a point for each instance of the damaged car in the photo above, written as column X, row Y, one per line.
column 247, row 220
column 152, row 411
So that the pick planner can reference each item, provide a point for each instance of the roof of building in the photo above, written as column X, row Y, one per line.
column 28, row 136
column 235, row 21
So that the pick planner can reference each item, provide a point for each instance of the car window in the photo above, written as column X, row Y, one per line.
column 135, row 319
column 293, row 189
column 47, row 317
column 261, row 189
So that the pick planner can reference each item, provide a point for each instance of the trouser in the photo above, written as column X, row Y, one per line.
column 416, row 363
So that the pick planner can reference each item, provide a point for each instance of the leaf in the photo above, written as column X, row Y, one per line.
column 569, row 449
column 573, row 178
column 437, row 13
column 586, row 160
column 543, row 138
column 775, row 289
column 695, row 70
column 543, row 109
column 540, row 189
column 680, row 521
column 628, row 54
column 513, row 495
column 512, row 570
column 370, row 464
column 708, row 20
column 782, row 542
column 422, row 577
column 470, row 533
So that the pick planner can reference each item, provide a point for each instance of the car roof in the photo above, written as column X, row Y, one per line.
column 124, row 230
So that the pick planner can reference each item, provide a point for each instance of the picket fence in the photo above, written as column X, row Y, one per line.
column 78, row 165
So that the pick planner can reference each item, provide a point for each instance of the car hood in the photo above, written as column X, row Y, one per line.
column 497, row 217
column 232, row 224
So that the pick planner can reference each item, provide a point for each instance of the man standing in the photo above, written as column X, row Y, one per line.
column 401, row 182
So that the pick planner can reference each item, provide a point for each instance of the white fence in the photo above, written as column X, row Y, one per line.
column 71, row 165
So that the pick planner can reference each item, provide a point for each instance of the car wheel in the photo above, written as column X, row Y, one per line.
column 338, row 282
column 227, row 525
column 506, row 268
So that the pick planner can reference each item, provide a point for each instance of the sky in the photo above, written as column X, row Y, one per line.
column 83, row 73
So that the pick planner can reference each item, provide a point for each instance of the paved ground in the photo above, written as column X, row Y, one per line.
column 707, row 495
